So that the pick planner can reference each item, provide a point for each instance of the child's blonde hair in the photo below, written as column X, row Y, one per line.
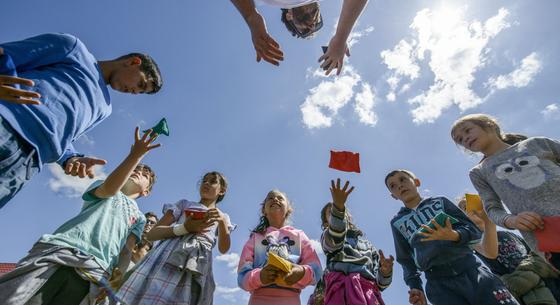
column 483, row 121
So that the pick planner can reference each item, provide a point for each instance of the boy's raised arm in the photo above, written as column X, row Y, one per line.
column 116, row 180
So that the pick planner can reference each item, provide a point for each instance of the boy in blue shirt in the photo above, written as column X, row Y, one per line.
column 443, row 253
column 60, row 93
column 60, row 268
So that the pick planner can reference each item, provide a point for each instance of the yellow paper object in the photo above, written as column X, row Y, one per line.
column 280, row 263
column 473, row 203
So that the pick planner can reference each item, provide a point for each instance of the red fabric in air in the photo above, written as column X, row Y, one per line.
column 345, row 161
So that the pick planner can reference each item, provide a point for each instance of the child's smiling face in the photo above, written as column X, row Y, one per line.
column 275, row 206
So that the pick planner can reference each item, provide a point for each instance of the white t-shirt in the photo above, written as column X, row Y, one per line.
column 285, row 3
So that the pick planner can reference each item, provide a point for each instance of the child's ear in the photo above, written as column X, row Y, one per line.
column 145, row 193
column 417, row 182
column 289, row 15
column 135, row 61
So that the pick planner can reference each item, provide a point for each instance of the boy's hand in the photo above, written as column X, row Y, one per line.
column 265, row 46
column 440, row 233
column 143, row 145
column 269, row 274
column 294, row 275
column 339, row 195
column 82, row 166
column 17, row 96
column 417, row 297
column 334, row 57
column 525, row 221
column 385, row 264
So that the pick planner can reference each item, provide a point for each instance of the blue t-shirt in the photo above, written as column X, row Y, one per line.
column 101, row 228
column 74, row 95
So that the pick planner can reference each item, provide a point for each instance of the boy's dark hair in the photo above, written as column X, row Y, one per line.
column 512, row 138
column 324, row 219
column 223, row 183
column 290, row 25
column 392, row 173
column 151, row 214
column 150, row 68
column 151, row 173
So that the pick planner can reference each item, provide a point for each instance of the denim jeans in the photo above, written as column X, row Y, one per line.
column 18, row 162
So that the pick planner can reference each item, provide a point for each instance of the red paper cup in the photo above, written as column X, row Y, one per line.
column 195, row 214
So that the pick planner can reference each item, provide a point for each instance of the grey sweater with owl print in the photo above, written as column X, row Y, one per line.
column 523, row 177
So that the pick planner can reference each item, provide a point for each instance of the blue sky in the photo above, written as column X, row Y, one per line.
column 416, row 66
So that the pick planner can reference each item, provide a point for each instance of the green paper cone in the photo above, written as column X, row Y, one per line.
column 161, row 128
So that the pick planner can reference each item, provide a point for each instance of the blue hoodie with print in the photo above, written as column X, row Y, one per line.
column 415, row 255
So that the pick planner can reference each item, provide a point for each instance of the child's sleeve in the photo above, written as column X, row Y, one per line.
column 310, row 262
column 68, row 153
column 491, row 201
column 554, row 146
column 176, row 208
column 333, row 238
column 404, row 258
column 42, row 50
column 248, row 276
column 468, row 231
column 89, row 195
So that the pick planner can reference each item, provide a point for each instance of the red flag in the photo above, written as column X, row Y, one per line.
column 548, row 238
column 345, row 161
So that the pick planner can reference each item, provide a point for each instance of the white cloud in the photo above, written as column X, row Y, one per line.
column 364, row 105
column 520, row 77
column 86, row 140
column 551, row 112
column 70, row 186
column 325, row 99
column 457, row 49
column 231, row 260
column 232, row 294
column 355, row 36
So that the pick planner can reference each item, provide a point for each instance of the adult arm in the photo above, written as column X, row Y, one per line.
column 334, row 57
column 266, row 47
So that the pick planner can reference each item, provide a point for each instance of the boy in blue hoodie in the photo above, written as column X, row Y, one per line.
column 443, row 253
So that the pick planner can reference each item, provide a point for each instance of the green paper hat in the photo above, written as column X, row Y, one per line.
column 161, row 128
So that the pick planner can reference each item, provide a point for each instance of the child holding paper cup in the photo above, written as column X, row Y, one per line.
column 179, row 269
column 278, row 260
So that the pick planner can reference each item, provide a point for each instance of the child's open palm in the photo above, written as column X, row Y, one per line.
column 143, row 145
column 440, row 233
column 339, row 195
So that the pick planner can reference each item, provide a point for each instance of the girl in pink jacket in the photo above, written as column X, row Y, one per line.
column 273, row 235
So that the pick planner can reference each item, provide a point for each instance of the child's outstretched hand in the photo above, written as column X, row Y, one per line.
column 294, row 275
column 440, row 233
column 143, row 145
column 417, row 297
column 269, row 274
column 339, row 195
column 385, row 264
